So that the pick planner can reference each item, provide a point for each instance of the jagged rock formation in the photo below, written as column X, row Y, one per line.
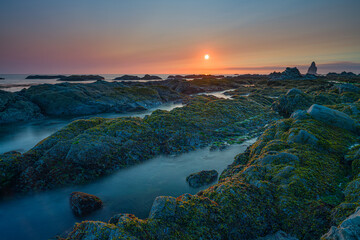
column 312, row 69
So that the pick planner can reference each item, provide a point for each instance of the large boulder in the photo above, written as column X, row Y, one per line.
column 202, row 178
column 312, row 69
column 332, row 117
column 83, row 203
column 349, row 229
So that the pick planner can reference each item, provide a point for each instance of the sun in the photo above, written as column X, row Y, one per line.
column 207, row 57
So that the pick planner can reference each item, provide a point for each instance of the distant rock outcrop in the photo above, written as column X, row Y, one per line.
column 76, row 78
column 288, row 74
column 312, row 69
column 83, row 203
column 45, row 76
column 128, row 77
column 132, row 77
column 2, row 78
column 151, row 77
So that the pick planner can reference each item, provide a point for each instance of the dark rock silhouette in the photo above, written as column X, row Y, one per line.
column 128, row 77
column 312, row 69
column 76, row 78
column 289, row 73
column 45, row 76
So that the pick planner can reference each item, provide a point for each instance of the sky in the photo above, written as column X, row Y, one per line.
column 168, row 36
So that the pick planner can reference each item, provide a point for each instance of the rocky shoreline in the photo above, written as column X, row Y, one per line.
column 299, row 180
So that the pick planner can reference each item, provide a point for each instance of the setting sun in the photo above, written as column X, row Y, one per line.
column 206, row 57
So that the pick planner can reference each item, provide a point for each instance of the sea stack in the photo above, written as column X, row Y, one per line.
column 312, row 69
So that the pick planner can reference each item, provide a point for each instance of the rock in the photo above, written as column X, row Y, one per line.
column 349, row 229
column 280, row 158
column 81, row 78
column 163, row 208
column 293, row 100
column 2, row 78
column 171, row 77
column 74, row 99
column 288, row 74
column 128, row 77
column 45, row 76
column 121, row 218
column 302, row 137
column 83, row 203
column 300, row 115
column 332, row 117
column 202, row 178
column 151, row 77
column 312, row 69
column 280, row 235
column 16, row 108
column 347, row 88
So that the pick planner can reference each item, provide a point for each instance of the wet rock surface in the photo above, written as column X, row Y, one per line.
column 202, row 178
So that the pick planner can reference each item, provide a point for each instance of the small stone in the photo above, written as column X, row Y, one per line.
column 83, row 203
column 202, row 178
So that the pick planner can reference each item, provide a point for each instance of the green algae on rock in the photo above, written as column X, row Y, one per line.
column 88, row 149
column 276, row 185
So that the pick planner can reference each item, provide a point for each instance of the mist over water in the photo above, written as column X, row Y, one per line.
column 130, row 190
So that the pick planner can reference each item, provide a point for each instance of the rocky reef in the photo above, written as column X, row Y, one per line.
column 74, row 99
column 88, row 149
column 298, row 180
